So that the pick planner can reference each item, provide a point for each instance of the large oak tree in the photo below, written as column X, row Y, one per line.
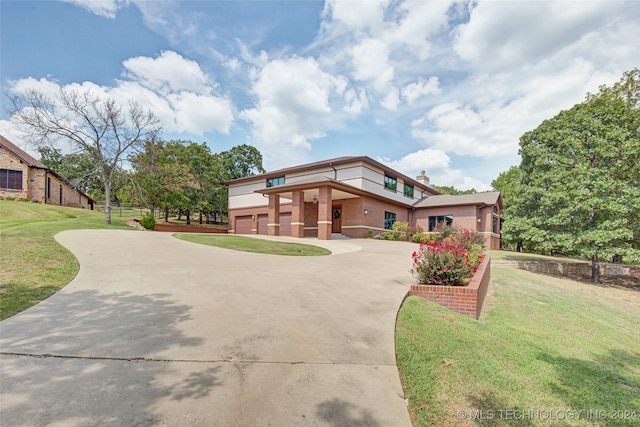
column 578, row 186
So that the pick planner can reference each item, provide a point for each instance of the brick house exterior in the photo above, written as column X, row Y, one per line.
column 350, row 196
column 22, row 176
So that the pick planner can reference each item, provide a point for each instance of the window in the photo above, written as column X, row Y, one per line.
column 495, row 225
column 408, row 190
column 437, row 222
column 11, row 180
column 390, row 183
column 495, row 209
column 272, row 182
column 389, row 219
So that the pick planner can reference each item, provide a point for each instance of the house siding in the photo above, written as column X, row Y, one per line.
column 11, row 162
column 35, row 181
column 356, row 187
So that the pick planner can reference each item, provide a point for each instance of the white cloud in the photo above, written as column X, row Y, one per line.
column 293, row 105
column 200, row 113
column 176, row 89
column 371, row 63
column 356, row 15
column 169, row 72
column 413, row 91
column 427, row 159
column 104, row 8
column 505, row 35
column 437, row 166
column 391, row 101
column 356, row 101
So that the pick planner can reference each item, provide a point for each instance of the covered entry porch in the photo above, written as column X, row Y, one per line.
column 319, row 207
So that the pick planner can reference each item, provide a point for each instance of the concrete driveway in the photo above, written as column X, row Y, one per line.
column 158, row 331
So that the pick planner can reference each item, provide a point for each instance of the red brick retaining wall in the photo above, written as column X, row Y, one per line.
column 188, row 229
column 465, row 300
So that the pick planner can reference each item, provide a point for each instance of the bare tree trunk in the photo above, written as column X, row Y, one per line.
column 166, row 214
column 107, row 202
column 188, row 217
column 200, row 217
column 595, row 268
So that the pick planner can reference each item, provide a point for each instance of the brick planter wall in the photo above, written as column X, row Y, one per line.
column 188, row 229
column 465, row 300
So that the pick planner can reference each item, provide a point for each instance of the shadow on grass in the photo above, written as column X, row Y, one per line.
column 16, row 297
column 77, row 359
column 494, row 411
column 609, row 383
column 337, row 412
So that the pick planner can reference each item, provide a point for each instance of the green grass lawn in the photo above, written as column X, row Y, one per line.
column 34, row 265
column 524, row 256
column 542, row 344
column 248, row 244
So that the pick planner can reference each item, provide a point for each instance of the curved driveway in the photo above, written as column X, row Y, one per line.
column 159, row 331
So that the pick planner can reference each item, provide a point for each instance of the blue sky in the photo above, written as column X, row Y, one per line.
column 442, row 86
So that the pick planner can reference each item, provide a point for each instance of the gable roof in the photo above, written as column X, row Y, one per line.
column 30, row 161
column 478, row 199
column 21, row 154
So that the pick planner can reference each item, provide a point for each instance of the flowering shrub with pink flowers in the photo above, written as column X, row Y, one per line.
column 451, row 260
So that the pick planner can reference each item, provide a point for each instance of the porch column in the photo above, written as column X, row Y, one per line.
column 273, row 221
column 297, row 214
column 325, row 218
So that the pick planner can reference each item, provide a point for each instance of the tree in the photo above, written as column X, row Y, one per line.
column 580, row 182
column 241, row 161
column 509, row 184
column 75, row 168
column 158, row 177
column 94, row 126
column 448, row 189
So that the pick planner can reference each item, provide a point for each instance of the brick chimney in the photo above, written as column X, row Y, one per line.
column 422, row 178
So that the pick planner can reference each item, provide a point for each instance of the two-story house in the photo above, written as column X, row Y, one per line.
column 350, row 196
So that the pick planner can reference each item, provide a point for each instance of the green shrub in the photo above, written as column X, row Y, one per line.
column 148, row 221
column 23, row 199
column 400, row 231
column 10, row 198
column 369, row 233
column 34, row 200
column 449, row 261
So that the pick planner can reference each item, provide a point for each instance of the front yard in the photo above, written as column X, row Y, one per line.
column 542, row 344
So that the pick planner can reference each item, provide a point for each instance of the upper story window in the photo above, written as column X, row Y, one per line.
column 272, row 182
column 408, row 190
column 10, row 179
column 495, row 209
column 390, row 183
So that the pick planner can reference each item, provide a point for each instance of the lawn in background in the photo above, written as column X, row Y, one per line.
column 34, row 265
column 542, row 344
column 248, row 244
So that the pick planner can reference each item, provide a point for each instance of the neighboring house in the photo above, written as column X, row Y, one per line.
column 350, row 196
column 23, row 177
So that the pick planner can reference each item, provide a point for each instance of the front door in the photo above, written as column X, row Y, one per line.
column 336, row 226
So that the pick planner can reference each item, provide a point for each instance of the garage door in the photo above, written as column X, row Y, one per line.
column 243, row 224
column 285, row 224
column 263, row 220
